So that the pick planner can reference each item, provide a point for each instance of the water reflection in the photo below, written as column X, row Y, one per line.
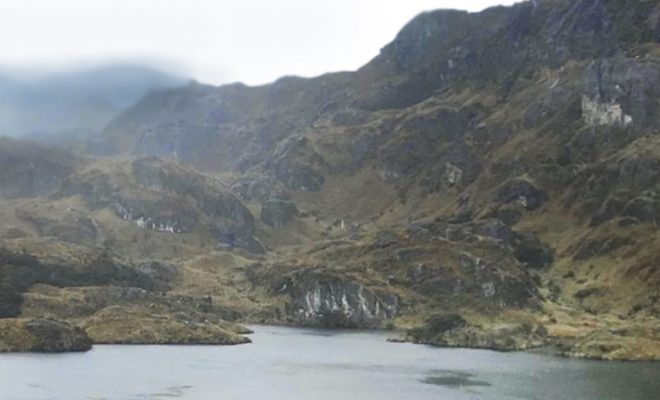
column 453, row 379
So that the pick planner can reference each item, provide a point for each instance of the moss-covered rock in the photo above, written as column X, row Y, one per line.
column 41, row 335
column 133, row 325
column 452, row 330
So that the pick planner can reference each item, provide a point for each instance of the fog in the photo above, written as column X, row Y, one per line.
column 69, row 67
column 253, row 41
column 74, row 103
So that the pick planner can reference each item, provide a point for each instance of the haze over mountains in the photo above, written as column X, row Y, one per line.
column 75, row 103
column 489, row 180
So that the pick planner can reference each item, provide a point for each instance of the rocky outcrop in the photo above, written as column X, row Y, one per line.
column 41, row 335
column 451, row 330
column 621, row 91
column 319, row 299
column 596, row 113
column 631, row 343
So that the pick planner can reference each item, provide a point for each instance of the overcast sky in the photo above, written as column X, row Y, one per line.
column 213, row 41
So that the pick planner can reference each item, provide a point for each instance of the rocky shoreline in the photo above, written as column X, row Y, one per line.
column 450, row 330
column 605, row 344
column 52, row 336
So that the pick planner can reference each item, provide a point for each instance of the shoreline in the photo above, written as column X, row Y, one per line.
column 393, row 336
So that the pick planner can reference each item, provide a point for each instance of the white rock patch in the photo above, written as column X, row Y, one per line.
column 596, row 113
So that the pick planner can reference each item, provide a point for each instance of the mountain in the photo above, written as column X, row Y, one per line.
column 488, row 180
column 74, row 104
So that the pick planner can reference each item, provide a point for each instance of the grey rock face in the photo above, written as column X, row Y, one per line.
column 324, row 300
column 621, row 91
column 413, row 43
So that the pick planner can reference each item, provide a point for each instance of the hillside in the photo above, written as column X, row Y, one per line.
column 489, row 180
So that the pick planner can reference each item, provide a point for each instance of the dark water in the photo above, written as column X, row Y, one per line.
column 296, row 364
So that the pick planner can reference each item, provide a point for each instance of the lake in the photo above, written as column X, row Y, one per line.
column 291, row 364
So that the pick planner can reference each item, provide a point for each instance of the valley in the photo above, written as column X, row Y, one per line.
column 490, row 180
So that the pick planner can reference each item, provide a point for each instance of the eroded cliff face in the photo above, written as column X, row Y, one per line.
column 322, row 300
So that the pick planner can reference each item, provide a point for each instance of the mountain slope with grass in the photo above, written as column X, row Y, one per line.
column 489, row 180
